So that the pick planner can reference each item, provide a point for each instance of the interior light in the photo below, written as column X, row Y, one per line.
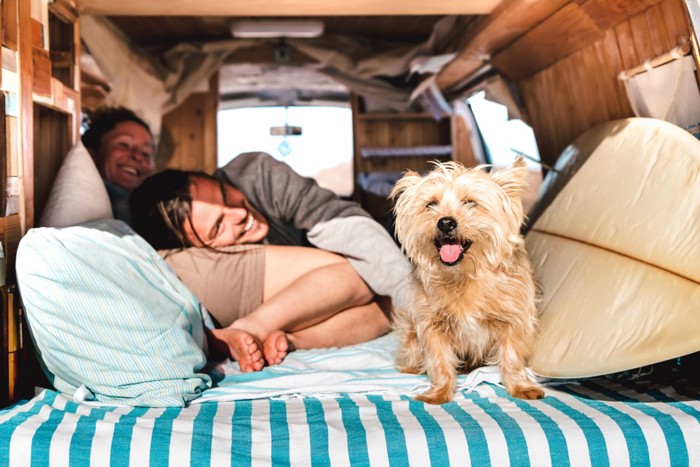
column 252, row 29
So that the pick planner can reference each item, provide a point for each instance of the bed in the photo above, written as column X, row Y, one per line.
column 605, row 404
column 604, row 421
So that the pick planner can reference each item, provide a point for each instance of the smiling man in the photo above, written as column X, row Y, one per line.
column 254, row 200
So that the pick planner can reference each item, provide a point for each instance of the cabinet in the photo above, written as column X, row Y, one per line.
column 41, row 120
column 389, row 143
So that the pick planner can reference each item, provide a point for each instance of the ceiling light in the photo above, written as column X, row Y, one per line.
column 276, row 28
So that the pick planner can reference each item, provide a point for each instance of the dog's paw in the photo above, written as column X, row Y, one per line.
column 436, row 396
column 527, row 392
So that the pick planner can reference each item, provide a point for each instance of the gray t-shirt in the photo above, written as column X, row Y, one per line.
column 298, row 209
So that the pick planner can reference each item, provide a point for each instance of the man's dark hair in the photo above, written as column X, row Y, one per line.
column 161, row 206
column 104, row 120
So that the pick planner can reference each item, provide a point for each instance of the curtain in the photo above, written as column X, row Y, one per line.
column 668, row 92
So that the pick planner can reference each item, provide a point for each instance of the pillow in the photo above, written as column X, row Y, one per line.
column 106, row 313
column 617, row 251
column 78, row 194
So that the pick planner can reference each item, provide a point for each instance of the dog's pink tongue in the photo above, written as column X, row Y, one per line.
column 449, row 253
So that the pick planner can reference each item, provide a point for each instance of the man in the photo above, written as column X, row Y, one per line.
column 255, row 200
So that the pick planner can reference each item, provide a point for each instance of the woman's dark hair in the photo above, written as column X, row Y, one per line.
column 161, row 206
column 104, row 120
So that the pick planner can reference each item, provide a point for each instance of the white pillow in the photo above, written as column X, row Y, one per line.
column 78, row 194
column 108, row 316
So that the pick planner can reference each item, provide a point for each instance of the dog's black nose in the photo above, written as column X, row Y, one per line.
column 447, row 224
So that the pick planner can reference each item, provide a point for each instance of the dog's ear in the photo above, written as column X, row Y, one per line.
column 409, row 179
column 514, row 178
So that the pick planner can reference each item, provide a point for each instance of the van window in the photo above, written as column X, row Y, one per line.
column 323, row 151
column 503, row 139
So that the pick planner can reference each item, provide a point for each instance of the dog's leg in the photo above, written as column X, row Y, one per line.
column 441, row 364
column 512, row 358
column 409, row 358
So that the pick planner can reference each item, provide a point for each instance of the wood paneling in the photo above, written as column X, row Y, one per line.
column 607, row 13
column 40, row 126
column 563, row 33
column 508, row 22
column 52, row 141
column 582, row 90
column 9, row 24
column 192, row 133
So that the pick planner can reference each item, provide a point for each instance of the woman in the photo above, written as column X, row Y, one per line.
column 121, row 144
column 309, row 297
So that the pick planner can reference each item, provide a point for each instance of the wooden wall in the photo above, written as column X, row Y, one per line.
column 583, row 89
column 189, row 140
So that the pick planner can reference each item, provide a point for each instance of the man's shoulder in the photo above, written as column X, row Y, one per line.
column 248, row 164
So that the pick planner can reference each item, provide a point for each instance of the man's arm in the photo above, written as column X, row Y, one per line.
column 280, row 193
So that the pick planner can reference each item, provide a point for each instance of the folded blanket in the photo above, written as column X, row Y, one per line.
column 364, row 368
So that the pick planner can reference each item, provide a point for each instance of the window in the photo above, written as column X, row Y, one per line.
column 505, row 139
column 323, row 151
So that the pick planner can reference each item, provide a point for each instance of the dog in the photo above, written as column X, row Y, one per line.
column 475, row 296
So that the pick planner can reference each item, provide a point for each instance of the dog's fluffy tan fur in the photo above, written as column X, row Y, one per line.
column 475, row 296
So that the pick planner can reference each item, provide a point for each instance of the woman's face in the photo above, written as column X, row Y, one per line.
column 222, row 216
column 125, row 157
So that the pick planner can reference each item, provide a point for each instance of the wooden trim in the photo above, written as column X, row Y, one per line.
column 66, row 10
column 287, row 7
column 9, row 24
column 673, row 54
column 26, row 111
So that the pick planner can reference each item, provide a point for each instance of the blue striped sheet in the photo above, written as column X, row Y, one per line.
column 393, row 433
column 318, row 432
column 437, row 448
column 160, row 440
column 359, row 429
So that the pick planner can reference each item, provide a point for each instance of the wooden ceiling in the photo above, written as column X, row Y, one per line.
column 516, row 37
column 169, row 21
column 168, row 30
column 158, row 25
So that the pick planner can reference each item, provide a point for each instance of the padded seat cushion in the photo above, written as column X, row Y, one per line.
column 616, row 248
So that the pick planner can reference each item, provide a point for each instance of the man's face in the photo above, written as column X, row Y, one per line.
column 125, row 157
column 221, row 215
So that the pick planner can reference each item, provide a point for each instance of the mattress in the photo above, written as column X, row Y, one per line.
column 598, row 421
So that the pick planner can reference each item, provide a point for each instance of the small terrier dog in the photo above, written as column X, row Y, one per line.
column 475, row 296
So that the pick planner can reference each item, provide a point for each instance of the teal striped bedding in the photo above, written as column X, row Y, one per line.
column 597, row 422
column 349, row 406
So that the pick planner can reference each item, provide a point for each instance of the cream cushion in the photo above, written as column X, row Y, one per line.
column 78, row 193
column 618, row 253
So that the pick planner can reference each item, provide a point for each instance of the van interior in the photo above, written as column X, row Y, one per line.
column 354, row 94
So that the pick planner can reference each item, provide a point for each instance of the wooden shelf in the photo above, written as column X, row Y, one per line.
column 396, row 116
column 62, row 98
column 432, row 151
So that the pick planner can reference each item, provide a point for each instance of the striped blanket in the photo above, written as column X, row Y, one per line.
column 592, row 422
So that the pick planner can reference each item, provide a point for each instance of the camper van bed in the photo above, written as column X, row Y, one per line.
column 375, row 421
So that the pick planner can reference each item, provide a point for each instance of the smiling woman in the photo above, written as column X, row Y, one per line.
column 121, row 144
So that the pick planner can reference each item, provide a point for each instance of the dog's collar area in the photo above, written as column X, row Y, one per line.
column 450, row 250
